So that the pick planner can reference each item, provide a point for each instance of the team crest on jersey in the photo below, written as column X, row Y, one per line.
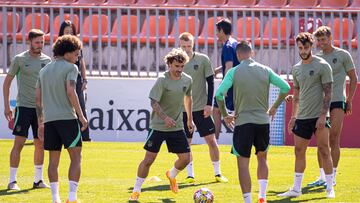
column 196, row 66
column 43, row 65
column 150, row 143
column 311, row 73
column 334, row 60
column 184, row 89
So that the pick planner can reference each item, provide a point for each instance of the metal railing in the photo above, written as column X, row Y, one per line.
column 109, row 53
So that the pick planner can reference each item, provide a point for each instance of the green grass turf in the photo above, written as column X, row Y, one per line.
column 109, row 171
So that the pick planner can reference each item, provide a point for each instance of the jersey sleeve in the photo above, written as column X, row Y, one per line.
column 208, row 69
column 14, row 67
column 326, row 74
column 295, row 81
column 228, row 54
column 38, row 83
column 189, row 90
column 276, row 80
column 225, row 85
column 348, row 62
column 157, row 90
column 72, row 74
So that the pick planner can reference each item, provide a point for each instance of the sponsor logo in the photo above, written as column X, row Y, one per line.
column 196, row 67
column 334, row 60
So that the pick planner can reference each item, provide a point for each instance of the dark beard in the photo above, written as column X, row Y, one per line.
column 306, row 58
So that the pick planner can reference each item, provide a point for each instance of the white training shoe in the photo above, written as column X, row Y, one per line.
column 330, row 194
column 13, row 186
column 290, row 193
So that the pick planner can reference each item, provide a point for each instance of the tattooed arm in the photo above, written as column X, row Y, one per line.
column 169, row 122
column 74, row 100
column 39, row 113
column 327, row 88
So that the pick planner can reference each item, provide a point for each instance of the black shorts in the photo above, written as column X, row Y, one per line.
column 305, row 128
column 250, row 134
column 338, row 105
column 205, row 126
column 229, row 101
column 62, row 132
column 175, row 140
column 24, row 118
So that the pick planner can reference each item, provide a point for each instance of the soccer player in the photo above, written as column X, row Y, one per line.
column 57, row 105
column 311, row 102
column 228, row 60
column 26, row 67
column 172, row 91
column 251, row 82
column 342, row 65
column 200, row 70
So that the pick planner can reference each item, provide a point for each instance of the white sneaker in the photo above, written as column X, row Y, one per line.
column 290, row 193
column 330, row 194
column 13, row 186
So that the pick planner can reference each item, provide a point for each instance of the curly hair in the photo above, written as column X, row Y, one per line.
column 323, row 31
column 305, row 37
column 176, row 55
column 66, row 44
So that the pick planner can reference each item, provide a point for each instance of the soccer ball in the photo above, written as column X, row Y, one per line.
column 203, row 195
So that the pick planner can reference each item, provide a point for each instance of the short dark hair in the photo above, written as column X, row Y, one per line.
column 305, row 37
column 34, row 33
column 176, row 55
column 323, row 31
column 65, row 44
column 224, row 25
column 186, row 36
column 243, row 47
column 67, row 23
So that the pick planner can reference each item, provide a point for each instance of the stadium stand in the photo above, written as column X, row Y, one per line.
column 354, row 43
column 27, row 2
column 95, row 22
column 355, row 4
column 272, row 3
column 182, row 28
column 347, row 26
column 336, row 4
column 210, row 31
column 90, row 2
column 241, row 3
column 180, row 2
column 150, row 2
column 28, row 24
column 310, row 25
column 151, row 27
column 120, row 2
column 211, row 3
column 9, row 24
column 274, row 32
column 303, row 3
column 124, row 19
column 248, row 26
column 61, row 2
column 57, row 23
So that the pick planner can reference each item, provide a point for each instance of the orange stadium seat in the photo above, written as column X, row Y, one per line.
column 208, row 3
column 150, row 2
column 248, row 25
column 37, row 24
column 120, row 2
column 347, row 26
column 303, row 3
column 180, row 2
column 241, row 3
column 9, row 24
column 124, row 29
column 274, row 30
column 90, row 2
column 272, row 3
column 211, row 31
column 95, row 26
column 182, row 28
column 61, row 2
column 161, row 20
column 334, row 4
column 37, row 2
column 354, row 42
column 57, row 25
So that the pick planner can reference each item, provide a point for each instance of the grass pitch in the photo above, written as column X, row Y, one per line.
column 109, row 171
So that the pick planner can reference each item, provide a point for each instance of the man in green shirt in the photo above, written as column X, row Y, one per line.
column 251, row 82
column 56, row 106
column 311, row 102
column 172, row 91
column 200, row 70
column 342, row 65
column 26, row 67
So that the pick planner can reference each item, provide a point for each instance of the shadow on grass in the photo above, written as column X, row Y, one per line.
column 305, row 190
column 164, row 200
column 6, row 192
column 167, row 187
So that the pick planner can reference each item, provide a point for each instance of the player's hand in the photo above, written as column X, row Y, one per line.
column 289, row 98
column 84, row 86
column 8, row 113
column 191, row 126
column 84, row 123
column 320, row 123
column 291, row 125
column 207, row 111
column 41, row 132
column 230, row 121
column 169, row 122
column 348, row 107
column 271, row 112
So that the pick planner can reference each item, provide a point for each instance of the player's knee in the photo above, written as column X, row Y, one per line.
column 148, row 161
column 324, row 151
column 299, row 151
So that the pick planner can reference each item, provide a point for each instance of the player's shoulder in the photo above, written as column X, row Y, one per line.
column 45, row 57
column 201, row 56
column 22, row 55
column 341, row 52
column 186, row 77
column 297, row 65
